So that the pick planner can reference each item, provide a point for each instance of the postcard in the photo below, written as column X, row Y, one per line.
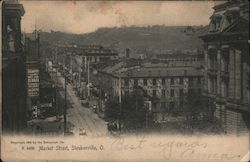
column 125, row 81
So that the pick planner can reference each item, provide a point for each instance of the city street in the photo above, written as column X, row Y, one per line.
column 82, row 117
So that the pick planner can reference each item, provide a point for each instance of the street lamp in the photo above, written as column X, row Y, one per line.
column 65, row 103
column 100, row 95
column 65, row 108
column 88, row 77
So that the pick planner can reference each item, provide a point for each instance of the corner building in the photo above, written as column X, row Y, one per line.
column 227, row 65
column 166, row 86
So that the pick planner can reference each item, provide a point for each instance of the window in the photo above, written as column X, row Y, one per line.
column 126, row 82
column 163, row 105
column 172, row 81
column 225, row 60
column 229, row 19
column 171, row 106
column 213, row 86
column 181, row 92
column 212, row 26
column 199, row 91
column 163, row 92
column 190, row 80
column 154, row 104
column 163, row 81
column 225, row 89
column 181, row 80
column 154, row 81
column 181, row 104
column 199, row 80
column 172, row 93
column 154, row 93
column 126, row 92
column 145, row 82
column 217, row 24
column 135, row 82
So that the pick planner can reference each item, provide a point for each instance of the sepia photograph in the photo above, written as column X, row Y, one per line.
column 125, row 80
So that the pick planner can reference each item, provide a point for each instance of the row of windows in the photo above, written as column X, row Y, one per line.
column 89, row 58
column 163, row 81
column 163, row 93
column 171, row 106
column 213, row 87
column 184, row 60
column 213, row 63
column 172, row 92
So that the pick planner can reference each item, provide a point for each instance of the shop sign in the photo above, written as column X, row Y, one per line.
column 33, row 82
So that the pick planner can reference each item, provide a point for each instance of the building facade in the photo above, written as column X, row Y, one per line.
column 227, row 65
column 13, row 68
column 165, row 86
column 94, row 54
column 97, row 56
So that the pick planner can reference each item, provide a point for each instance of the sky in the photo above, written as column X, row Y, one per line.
column 87, row 16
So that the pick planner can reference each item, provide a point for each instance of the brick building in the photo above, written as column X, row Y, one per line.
column 165, row 86
column 98, row 56
column 95, row 54
column 227, row 64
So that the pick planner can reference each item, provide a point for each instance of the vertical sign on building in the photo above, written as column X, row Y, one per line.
column 33, row 82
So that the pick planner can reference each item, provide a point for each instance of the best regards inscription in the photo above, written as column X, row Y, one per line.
column 167, row 149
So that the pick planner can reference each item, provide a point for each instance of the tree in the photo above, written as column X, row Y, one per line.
column 133, row 112
column 195, row 107
column 112, row 110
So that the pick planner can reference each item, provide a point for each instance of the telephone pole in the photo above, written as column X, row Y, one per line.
column 65, row 102
column 88, row 81
column 56, row 80
column 120, row 100
column 65, row 108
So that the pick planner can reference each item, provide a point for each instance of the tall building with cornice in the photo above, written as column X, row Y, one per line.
column 13, row 68
column 227, row 65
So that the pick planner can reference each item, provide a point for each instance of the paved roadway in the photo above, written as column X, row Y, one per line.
column 82, row 117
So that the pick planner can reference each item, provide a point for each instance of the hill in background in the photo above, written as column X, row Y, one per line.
column 137, row 38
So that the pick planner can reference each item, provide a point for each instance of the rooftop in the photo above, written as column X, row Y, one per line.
column 227, row 13
column 14, row 6
column 144, row 71
column 87, row 50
